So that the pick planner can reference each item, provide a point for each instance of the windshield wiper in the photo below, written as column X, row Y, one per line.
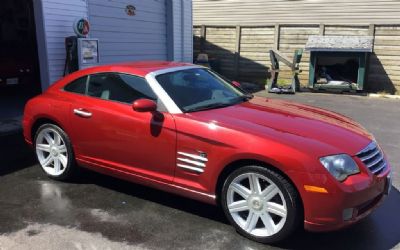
column 247, row 96
column 244, row 98
column 238, row 99
column 209, row 106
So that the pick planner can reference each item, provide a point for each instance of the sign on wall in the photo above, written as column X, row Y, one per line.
column 81, row 27
column 130, row 10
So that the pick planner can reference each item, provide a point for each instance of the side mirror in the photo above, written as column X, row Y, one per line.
column 144, row 105
column 236, row 84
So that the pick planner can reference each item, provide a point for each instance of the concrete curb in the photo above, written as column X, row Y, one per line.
column 384, row 96
column 372, row 95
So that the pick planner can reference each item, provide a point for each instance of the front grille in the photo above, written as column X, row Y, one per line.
column 373, row 158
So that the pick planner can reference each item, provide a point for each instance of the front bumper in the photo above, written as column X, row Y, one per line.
column 344, row 203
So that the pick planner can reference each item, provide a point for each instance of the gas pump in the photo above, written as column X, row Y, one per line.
column 71, row 51
column 81, row 52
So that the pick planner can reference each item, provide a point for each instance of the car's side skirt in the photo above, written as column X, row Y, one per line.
column 146, row 181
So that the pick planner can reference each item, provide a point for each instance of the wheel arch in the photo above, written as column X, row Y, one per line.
column 41, row 121
column 228, row 169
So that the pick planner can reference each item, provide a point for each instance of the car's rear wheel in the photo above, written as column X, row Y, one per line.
column 54, row 152
column 261, row 204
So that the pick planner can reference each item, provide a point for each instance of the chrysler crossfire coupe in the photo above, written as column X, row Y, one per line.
column 271, row 165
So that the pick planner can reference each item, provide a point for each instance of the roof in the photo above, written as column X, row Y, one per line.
column 340, row 43
column 140, row 68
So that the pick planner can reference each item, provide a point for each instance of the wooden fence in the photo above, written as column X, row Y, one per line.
column 243, row 51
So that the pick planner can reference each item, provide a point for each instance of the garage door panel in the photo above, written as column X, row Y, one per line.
column 142, row 15
column 141, row 5
column 139, row 37
column 111, row 24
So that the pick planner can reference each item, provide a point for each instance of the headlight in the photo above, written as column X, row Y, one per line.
column 340, row 166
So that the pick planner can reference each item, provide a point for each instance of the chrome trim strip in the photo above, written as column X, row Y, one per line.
column 372, row 150
column 371, row 164
column 196, row 192
column 365, row 158
column 200, row 164
column 160, row 92
column 199, row 170
column 369, row 147
column 173, row 69
column 193, row 156
column 383, row 165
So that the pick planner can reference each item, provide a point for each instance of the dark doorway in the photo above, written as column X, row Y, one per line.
column 19, row 64
column 338, row 69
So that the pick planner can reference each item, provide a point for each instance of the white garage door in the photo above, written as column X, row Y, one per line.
column 126, row 37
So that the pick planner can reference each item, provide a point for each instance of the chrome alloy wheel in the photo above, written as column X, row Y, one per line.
column 256, row 204
column 51, row 152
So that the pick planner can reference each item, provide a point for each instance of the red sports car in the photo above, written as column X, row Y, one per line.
column 272, row 165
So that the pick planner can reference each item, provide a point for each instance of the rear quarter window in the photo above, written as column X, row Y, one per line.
column 77, row 86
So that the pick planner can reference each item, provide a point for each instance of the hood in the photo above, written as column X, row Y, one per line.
column 281, row 120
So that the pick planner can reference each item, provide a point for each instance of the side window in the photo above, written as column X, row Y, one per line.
column 119, row 87
column 78, row 86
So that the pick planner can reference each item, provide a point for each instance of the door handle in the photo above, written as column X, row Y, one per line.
column 83, row 113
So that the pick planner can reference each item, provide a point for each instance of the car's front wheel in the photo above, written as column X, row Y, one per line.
column 261, row 204
column 54, row 152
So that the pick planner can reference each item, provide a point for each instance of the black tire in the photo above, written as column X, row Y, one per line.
column 290, row 195
column 71, row 168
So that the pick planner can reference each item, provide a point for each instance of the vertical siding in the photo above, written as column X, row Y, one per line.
column 250, row 12
column 187, row 31
column 183, row 30
column 129, row 38
column 59, row 16
column 177, row 28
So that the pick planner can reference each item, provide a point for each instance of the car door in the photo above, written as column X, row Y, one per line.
column 108, row 133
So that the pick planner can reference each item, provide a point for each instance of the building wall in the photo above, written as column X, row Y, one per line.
column 177, row 24
column 58, row 17
column 250, row 12
column 128, row 38
column 121, row 37
column 187, row 18
column 182, row 21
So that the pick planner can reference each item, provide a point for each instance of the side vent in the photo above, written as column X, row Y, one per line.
column 192, row 162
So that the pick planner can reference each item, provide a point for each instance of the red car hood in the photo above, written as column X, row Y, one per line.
column 280, row 120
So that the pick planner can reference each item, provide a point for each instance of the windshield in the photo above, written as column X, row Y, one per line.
column 200, row 89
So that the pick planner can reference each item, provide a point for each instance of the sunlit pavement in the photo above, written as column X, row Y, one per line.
column 100, row 212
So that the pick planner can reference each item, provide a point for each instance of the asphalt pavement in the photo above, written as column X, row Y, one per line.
column 101, row 212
